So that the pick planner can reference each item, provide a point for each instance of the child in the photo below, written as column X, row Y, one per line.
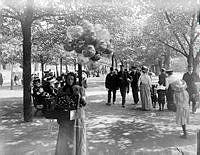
column 161, row 90
column 154, row 97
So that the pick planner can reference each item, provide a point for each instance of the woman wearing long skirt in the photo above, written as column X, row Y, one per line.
column 181, row 97
column 72, row 132
column 144, row 84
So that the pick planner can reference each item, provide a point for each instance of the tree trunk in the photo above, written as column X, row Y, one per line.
column 36, row 67
column 57, row 70
column 115, row 63
column 66, row 68
column 167, row 58
column 11, row 77
column 196, row 64
column 26, row 31
column 4, row 66
column 60, row 66
column 113, row 59
column 74, row 65
column 42, row 68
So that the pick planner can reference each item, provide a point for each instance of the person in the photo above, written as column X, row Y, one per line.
column 190, row 78
column 1, row 79
column 162, row 77
column 161, row 89
column 144, row 83
column 181, row 97
column 16, row 79
column 134, row 83
column 111, row 84
column 67, row 136
column 169, row 91
column 39, row 95
column 124, row 79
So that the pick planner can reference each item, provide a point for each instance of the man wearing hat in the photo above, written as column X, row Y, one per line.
column 134, row 83
column 111, row 84
column 162, row 77
column 124, row 79
column 190, row 78
column 161, row 90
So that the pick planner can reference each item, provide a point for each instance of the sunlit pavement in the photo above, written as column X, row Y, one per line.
column 111, row 130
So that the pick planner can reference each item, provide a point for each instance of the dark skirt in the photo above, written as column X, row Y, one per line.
column 161, row 96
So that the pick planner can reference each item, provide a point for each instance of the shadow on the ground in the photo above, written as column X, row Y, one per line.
column 128, row 130
column 19, row 137
column 111, row 130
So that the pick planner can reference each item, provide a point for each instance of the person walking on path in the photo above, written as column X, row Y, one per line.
column 144, row 83
column 1, row 79
column 190, row 78
column 124, row 80
column 169, row 91
column 134, row 83
column 161, row 89
column 182, row 107
column 111, row 84
column 16, row 79
column 70, row 133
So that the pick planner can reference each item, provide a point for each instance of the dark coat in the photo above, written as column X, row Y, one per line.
column 135, row 77
column 162, row 79
column 112, row 82
column 123, row 78
column 190, row 80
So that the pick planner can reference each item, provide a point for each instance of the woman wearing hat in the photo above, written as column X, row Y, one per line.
column 145, row 84
column 181, row 98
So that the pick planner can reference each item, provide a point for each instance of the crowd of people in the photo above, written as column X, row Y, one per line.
column 177, row 93
column 69, row 105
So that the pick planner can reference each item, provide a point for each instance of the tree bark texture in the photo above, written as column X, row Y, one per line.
column 60, row 66
column 26, row 31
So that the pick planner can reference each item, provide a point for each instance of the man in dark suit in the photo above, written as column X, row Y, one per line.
column 162, row 77
column 134, row 83
column 124, row 80
column 161, row 89
column 111, row 84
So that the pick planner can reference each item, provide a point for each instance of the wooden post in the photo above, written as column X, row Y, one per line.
column 198, row 142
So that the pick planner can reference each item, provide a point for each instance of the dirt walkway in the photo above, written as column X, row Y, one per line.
column 111, row 130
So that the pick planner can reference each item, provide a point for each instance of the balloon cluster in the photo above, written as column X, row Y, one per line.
column 90, row 40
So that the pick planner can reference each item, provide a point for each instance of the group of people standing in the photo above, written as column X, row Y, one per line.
column 178, row 93
column 123, row 80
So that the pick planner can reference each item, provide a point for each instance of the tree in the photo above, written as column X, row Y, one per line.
column 175, row 28
column 26, row 17
column 11, row 53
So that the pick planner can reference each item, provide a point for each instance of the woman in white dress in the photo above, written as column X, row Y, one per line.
column 145, row 85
